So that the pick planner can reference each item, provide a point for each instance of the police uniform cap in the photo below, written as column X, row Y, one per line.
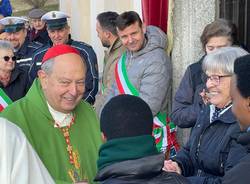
column 36, row 13
column 13, row 24
column 55, row 19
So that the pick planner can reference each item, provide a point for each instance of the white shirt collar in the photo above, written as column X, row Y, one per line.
column 212, row 109
column 60, row 118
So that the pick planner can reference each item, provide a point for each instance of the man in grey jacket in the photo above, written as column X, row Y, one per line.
column 144, row 69
column 148, row 67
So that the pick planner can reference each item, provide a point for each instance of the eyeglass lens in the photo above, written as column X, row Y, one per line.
column 7, row 58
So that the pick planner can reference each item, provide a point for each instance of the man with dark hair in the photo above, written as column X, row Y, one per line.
column 144, row 70
column 106, row 31
column 128, row 18
column 240, row 92
column 129, row 154
column 16, row 33
column 62, row 128
column 59, row 33
column 106, row 22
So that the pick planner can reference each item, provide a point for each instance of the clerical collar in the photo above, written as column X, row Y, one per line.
column 60, row 118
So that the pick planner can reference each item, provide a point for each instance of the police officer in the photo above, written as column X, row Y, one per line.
column 59, row 33
column 16, row 33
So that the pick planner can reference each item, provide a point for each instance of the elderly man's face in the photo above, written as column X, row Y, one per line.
column 17, row 38
column 59, row 36
column 65, row 85
column 241, row 105
column 37, row 24
column 132, row 37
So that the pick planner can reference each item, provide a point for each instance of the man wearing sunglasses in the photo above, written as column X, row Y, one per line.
column 16, row 33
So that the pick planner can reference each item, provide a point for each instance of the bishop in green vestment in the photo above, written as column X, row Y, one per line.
column 63, row 129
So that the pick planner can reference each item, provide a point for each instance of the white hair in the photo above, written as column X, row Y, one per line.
column 222, row 60
column 6, row 45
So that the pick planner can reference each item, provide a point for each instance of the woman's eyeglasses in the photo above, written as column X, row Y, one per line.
column 214, row 78
column 7, row 58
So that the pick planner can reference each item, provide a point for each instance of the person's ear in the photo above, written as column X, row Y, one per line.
column 107, row 34
column 248, row 102
column 104, row 138
column 68, row 28
column 144, row 28
column 43, row 77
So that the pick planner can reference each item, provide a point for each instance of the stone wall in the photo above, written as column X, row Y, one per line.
column 189, row 19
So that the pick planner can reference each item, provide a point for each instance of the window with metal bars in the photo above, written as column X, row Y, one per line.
column 238, row 12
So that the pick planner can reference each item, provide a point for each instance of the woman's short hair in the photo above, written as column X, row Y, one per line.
column 219, row 27
column 222, row 60
column 6, row 45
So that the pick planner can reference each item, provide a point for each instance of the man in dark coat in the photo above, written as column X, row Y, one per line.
column 16, row 33
column 240, row 91
column 59, row 33
column 129, row 154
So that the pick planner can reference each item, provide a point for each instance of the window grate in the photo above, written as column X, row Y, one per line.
column 238, row 12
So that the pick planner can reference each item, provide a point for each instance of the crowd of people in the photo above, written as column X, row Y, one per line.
column 56, row 126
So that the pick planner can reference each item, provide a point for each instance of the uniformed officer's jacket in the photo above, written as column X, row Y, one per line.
column 87, row 52
column 24, row 54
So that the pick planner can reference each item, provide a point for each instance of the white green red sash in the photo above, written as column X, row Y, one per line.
column 162, row 127
column 4, row 100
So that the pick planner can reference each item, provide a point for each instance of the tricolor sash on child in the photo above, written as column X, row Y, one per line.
column 4, row 100
column 164, row 131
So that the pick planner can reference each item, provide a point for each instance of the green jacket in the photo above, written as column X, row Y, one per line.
column 32, row 115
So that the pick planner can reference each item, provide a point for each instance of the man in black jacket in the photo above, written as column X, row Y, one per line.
column 240, row 91
column 129, row 154
column 59, row 33
column 16, row 33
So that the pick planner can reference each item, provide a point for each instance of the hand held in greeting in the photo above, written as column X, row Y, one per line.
column 205, row 96
column 171, row 166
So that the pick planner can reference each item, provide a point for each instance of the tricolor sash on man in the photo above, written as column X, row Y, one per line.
column 164, row 131
column 4, row 100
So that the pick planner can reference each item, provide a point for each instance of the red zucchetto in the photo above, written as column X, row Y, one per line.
column 59, row 50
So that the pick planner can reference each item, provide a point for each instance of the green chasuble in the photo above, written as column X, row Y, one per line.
column 31, row 114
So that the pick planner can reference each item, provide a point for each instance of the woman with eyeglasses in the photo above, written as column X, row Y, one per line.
column 187, row 102
column 13, row 80
column 212, row 149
